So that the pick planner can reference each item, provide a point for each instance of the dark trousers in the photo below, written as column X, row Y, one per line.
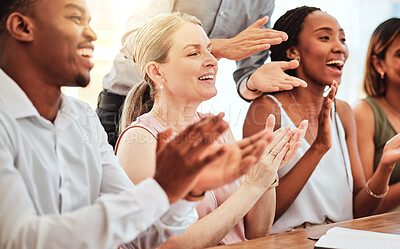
column 109, row 108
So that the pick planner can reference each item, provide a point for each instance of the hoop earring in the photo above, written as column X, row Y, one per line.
column 382, row 75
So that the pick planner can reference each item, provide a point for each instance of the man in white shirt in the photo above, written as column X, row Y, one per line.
column 60, row 183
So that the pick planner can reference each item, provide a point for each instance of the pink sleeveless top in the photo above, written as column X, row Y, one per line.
column 214, row 198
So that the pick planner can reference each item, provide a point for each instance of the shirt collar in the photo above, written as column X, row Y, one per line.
column 20, row 106
column 15, row 99
column 66, row 112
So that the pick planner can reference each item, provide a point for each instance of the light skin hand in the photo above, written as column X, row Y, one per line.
column 295, row 142
column 178, row 162
column 263, row 173
column 251, row 40
column 271, row 77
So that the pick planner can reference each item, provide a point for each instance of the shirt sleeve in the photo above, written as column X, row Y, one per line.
column 112, row 220
column 247, row 66
column 179, row 217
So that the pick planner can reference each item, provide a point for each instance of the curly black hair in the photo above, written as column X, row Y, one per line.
column 290, row 23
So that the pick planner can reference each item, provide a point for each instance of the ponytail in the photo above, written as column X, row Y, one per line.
column 138, row 102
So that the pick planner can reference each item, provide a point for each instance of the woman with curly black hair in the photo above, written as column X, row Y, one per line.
column 325, row 182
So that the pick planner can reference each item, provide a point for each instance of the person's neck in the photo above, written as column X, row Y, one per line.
column 309, row 100
column 174, row 113
column 46, row 97
column 392, row 96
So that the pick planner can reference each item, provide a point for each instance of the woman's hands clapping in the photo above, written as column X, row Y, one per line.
column 323, row 139
column 279, row 151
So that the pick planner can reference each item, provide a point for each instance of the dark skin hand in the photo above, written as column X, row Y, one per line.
column 202, row 164
column 178, row 162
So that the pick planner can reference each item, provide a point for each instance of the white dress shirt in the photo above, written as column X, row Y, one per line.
column 222, row 19
column 62, row 187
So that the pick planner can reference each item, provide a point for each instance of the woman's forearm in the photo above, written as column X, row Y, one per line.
column 259, row 219
column 211, row 229
column 364, row 203
column 391, row 200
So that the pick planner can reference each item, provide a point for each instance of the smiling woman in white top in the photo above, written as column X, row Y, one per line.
column 326, row 182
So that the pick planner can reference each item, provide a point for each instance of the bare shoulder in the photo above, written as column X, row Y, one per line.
column 363, row 111
column 136, row 153
column 257, row 114
column 365, row 118
column 134, row 138
column 344, row 111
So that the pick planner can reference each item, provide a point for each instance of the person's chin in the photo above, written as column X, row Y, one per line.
column 82, row 81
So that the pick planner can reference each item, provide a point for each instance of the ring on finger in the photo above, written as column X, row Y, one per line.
column 273, row 152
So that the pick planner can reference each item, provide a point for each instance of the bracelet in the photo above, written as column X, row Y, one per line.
column 275, row 183
column 192, row 197
column 369, row 191
column 248, row 88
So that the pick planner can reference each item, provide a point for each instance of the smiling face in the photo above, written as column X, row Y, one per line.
column 322, row 49
column 190, row 68
column 62, row 45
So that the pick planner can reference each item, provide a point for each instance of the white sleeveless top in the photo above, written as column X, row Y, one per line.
column 328, row 192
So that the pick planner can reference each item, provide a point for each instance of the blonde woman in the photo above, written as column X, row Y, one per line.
column 173, row 55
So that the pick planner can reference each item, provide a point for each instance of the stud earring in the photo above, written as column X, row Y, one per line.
column 161, row 86
column 382, row 75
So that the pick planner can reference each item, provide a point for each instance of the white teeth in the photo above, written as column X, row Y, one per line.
column 206, row 77
column 336, row 62
column 85, row 52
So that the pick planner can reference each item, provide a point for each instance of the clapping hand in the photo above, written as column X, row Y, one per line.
column 178, row 161
column 279, row 151
column 323, row 138
column 237, row 160
column 391, row 152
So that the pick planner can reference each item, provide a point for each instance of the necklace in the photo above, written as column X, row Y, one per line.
column 174, row 124
column 163, row 122
column 301, row 113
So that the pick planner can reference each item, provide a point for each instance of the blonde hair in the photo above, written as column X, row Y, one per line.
column 381, row 39
column 152, row 43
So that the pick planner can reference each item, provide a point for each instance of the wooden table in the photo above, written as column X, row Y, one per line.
column 385, row 223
